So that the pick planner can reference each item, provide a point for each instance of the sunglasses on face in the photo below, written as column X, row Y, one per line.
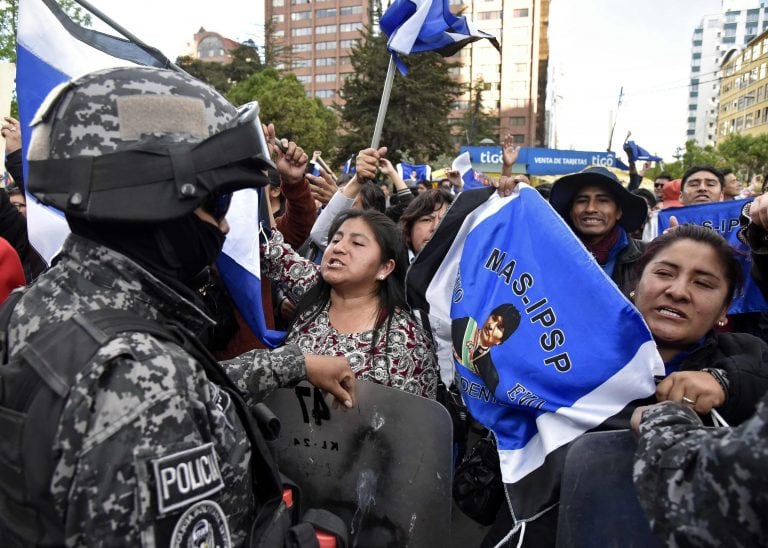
column 217, row 205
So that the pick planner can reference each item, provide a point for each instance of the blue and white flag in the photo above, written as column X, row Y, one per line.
column 635, row 152
column 463, row 165
column 349, row 166
column 53, row 49
column 419, row 172
column 544, row 344
column 239, row 262
column 414, row 26
column 723, row 218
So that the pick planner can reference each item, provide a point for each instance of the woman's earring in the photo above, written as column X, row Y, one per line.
column 722, row 323
column 632, row 296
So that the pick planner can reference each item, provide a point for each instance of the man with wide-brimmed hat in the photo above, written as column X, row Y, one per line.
column 603, row 213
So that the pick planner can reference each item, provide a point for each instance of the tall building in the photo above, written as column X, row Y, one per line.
column 515, row 80
column 316, row 39
column 739, row 22
column 744, row 95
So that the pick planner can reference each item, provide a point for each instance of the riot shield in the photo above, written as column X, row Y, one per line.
column 384, row 467
column 598, row 502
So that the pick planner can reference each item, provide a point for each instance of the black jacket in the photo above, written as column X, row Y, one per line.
column 744, row 358
column 624, row 271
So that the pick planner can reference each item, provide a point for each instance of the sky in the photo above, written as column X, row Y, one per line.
column 596, row 47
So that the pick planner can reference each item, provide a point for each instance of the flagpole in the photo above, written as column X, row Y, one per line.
column 386, row 92
column 149, row 49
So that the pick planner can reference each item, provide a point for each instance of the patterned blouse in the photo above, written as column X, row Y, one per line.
column 403, row 358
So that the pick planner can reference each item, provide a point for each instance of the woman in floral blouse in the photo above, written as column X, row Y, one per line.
column 353, row 303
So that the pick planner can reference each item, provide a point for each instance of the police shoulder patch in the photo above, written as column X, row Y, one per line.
column 203, row 524
column 185, row 477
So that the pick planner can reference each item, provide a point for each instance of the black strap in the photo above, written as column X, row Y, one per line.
column 328, row 522
column 302, row 536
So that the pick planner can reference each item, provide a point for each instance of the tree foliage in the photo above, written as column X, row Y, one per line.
column 417, row 117
column 245, row 62
column 475, row 123
column 284, row 102
column 746, row 155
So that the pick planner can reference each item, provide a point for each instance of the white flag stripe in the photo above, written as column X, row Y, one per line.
column 242, row 242
column 404, row 37
column 568, row 423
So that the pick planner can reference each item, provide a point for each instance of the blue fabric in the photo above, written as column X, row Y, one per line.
column 422, row 171
column 415, row 26
column 620, row 244
column 723, row 218
column 636, row 152
column 554, row 377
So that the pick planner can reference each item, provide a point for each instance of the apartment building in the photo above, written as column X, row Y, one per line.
column 317, row 37
column 744, row 90
column 717, row 37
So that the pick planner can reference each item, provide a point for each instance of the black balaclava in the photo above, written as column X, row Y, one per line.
column 177, row 251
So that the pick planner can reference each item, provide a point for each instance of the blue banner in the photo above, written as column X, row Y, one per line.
column 523, row 342
column 544, row 161
column 723, row 218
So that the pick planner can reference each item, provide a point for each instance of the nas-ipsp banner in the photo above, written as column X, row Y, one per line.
column 723, row 218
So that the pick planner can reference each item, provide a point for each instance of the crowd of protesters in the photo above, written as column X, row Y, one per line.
column 336, row 258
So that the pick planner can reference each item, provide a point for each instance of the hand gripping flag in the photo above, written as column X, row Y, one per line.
column 544, row 346
column 414, row 26
column 463, row 165
column 723, row 218
column 53, row 49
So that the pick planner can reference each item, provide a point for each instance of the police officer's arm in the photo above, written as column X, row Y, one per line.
column 715, row 476
column 259, row 372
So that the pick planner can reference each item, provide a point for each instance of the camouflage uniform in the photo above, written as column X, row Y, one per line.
column 699, row 486
column 145, row 437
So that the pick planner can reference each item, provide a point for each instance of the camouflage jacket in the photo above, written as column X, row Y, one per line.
column 702, row 486
column 149, row 451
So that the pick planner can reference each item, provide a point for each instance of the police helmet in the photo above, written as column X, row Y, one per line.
column 141, row 144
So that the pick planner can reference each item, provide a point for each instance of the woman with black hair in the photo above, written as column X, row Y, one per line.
column 353, row 303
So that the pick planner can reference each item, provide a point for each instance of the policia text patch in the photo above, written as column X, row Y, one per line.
column 186, row 476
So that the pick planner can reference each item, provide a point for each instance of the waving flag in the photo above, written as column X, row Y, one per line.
column 636, row 152
column 463, row 165
column 540, row 361
column 414, row 26
column 723, row 218
column 53, row 49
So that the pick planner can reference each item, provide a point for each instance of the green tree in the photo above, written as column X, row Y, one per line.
column 696, row 155
column 245, row 62
column 745, row 154
column 417, row 117
column 275, row 54
column 284, row 102
column 475, row 123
